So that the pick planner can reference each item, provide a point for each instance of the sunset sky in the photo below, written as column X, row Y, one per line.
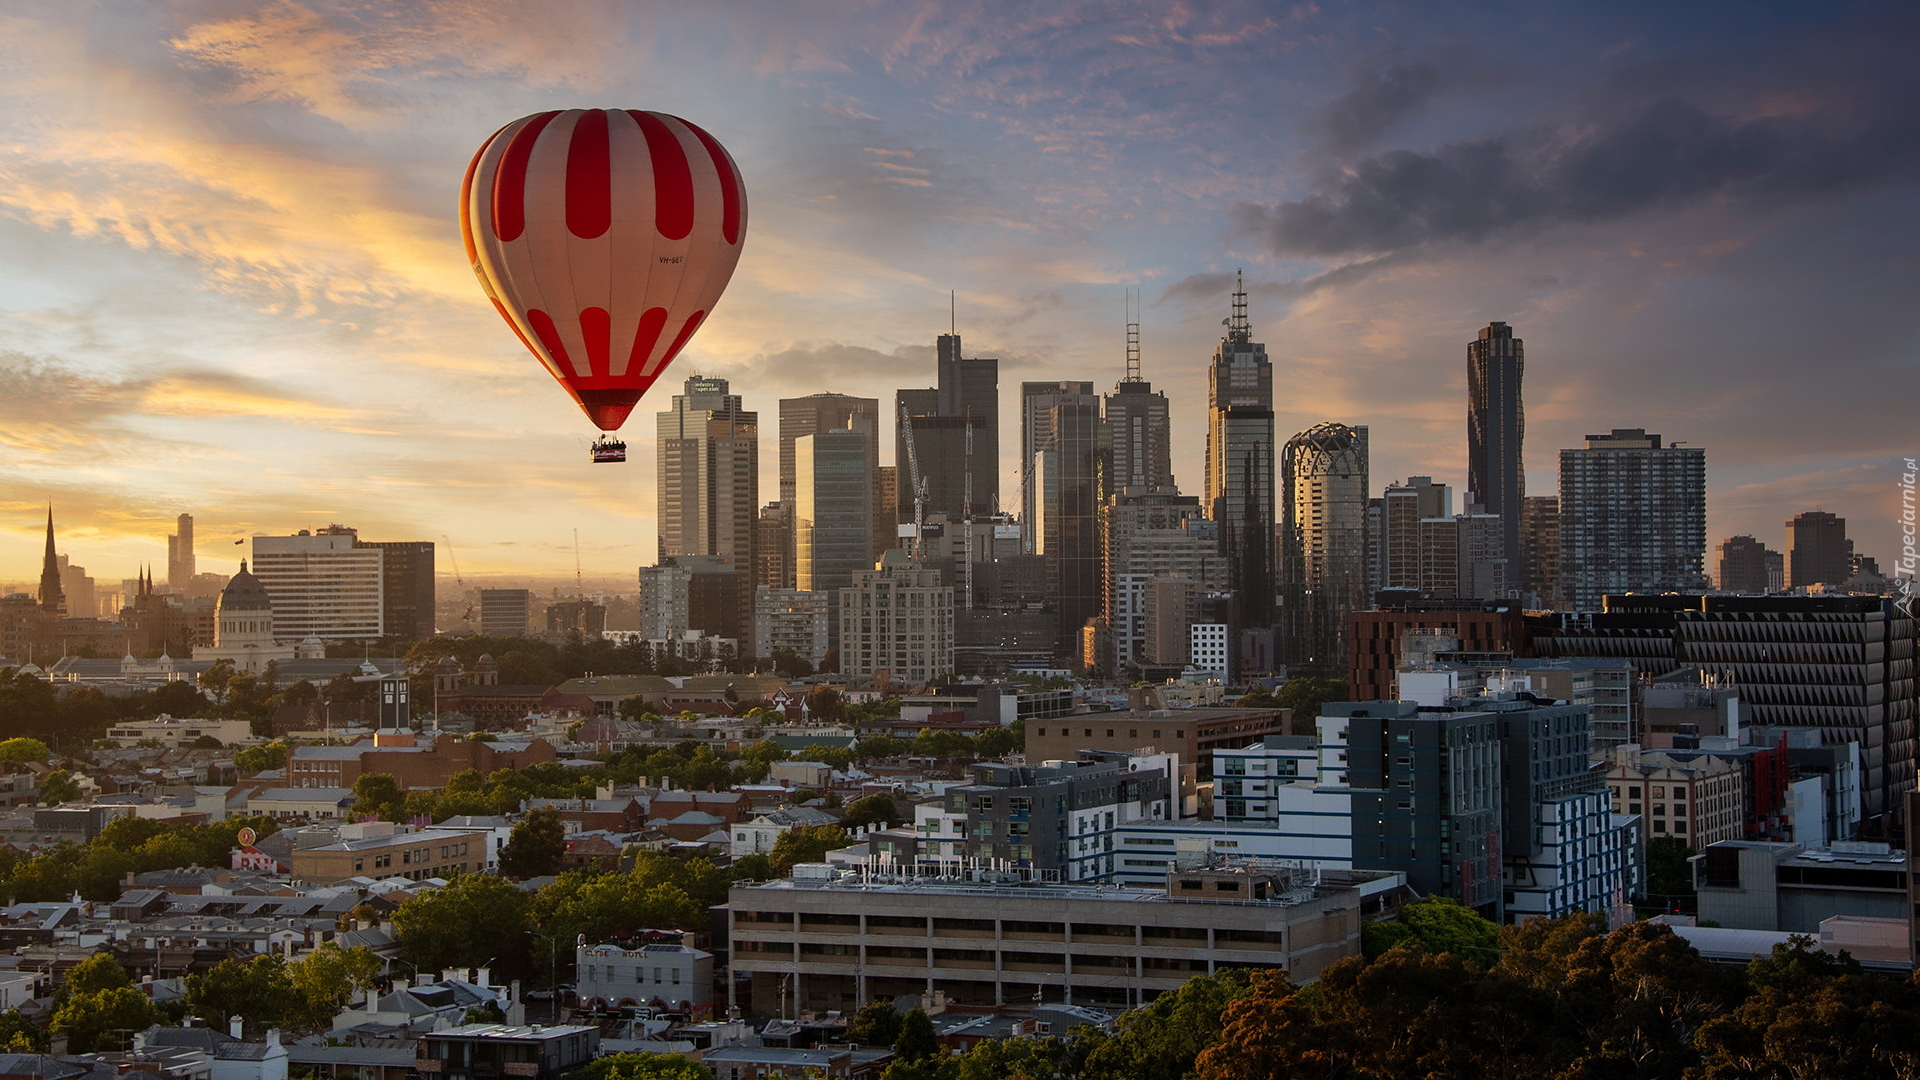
column 233, row 282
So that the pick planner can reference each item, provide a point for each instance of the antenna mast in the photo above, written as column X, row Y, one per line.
column 1133, row 339
column 1240, row 327
column 579, row 584
column 966, row 509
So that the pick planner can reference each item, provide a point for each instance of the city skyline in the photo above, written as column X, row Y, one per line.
column 238, row 291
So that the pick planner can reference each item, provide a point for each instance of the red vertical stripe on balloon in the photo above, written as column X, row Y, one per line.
column 672, row 178
column 729, row 184
column 589, row 177
column 596, row 327
column 651, row 323
column 549, row 336
column 510, row 180
column 693, row 323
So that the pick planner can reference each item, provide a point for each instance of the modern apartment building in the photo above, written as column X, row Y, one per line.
column 1633, row 517
column 896, row 619
column 1496, row 428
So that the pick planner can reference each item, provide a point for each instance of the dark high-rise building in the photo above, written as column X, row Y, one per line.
column 1743, row 566
column 1067, row 497
column 1324, row 469
column 180, row 560
column 709, row 473
column 1139, row 428
column 505, row 612
column 406, row 586
column 1496, row 425
column 1540, row 549
column 1240, row 465
column 956, row 437
column 1037, row 400
column 773, row 547
column 1818, row 551
column 832, row 534
column 1633, row 517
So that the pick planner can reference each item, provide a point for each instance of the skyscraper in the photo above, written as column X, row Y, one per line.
column 832, row 535
column 1743, row 566
column 1324, row 469
column 1633, row 517
column 709, row 474
column 180, row 561
column 1540, row 548
column 1138, row 423
column 956, row 434
column 1037, row 400
column 1066, row 495
column 1818, row 551
column 825, row 412
column 1150, row 534
column 1240, row 464
column 1496, row 425
column 406, row 586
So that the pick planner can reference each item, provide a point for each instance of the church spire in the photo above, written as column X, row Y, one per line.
column 53, row 599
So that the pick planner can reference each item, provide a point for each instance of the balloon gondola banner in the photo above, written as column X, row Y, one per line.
column 604, row 237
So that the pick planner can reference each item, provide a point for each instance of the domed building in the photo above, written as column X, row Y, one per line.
column 243, row 627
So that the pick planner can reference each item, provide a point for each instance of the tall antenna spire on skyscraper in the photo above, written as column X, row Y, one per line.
column 1133, row 338
column 1239, row 326
column 953, row 312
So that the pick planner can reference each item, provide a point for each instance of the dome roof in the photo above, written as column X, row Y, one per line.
column 245, row 593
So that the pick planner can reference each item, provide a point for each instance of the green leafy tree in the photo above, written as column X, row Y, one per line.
column 877, row 1023
column 217, row 679
column 825, row 704
column 378, row 795
column 1161, row 1040
column 641, row 1067
column 1437, row 925
column 465, row 923
column 1305, row 695
column 870, row 810
column 327, row 979
column 253, row 759
column 96, row 1021
column 19, row 1035
column 917, row 1041
column 804, row 844
column 22, row 751
column 300, row 692
column 95, row 974
column 259, row 992
column 58, row 787
column 1001, row 741
column 536, row 845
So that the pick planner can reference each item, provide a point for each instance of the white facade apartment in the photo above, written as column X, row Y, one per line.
column 896, row 619
column 321, row 584
column 1208, row 647
column 793, row 620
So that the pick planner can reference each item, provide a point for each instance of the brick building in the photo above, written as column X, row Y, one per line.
column 414, row 766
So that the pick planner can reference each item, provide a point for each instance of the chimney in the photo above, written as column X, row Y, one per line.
column 484, row 978
column 236, row 1027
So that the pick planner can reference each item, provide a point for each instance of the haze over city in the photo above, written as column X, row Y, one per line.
column 236, row 286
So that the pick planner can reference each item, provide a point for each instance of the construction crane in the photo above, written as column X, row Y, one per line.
column 462, row 582
column 917, row 484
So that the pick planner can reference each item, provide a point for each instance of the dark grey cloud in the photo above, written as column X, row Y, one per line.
column 1781, row 144
column 1379, row 99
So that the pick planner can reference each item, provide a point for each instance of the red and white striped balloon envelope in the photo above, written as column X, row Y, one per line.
column 604, row 237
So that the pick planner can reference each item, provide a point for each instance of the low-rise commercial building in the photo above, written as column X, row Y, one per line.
column 492, row 1051
column 1754, row 885
column 380, row 849
column 828, row 939
column 1194, row 734
column 669, row 979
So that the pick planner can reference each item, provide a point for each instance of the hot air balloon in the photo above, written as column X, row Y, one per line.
column 604, row 238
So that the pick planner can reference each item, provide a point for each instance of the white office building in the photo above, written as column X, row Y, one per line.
column 322, row 585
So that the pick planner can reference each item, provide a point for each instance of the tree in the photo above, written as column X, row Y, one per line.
column 1305, row 695
column 260, row 992
column 917, row 1041
column 1670, row 874
column 872, row 810
column 1001, row 741
column 378, row 795
column 208, row 742
column 471, row 919
column 301, row 692
column 94, row 1021
column 22, row 751
column 641, row 1067
column 255, row 759
column 824, row 703
column 1437, row 925
column 877, row 1023
column 216, row 679
column 327, row 979
column 804, row 843
column 1161, row 1040
column 95, row 974
column 58, row 787
column 536, row 845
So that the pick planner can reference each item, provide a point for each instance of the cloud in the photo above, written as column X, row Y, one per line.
column 1607, row 159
